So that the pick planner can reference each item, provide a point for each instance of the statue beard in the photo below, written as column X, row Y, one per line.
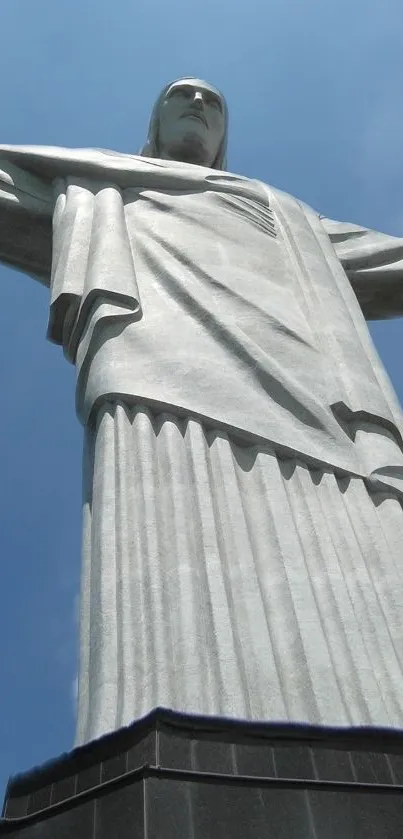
column 189, row 149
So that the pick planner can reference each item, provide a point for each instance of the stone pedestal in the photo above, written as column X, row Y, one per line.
column 173, row 777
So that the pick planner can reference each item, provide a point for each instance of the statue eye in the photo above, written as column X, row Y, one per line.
column 212, row 100
column 180, row 91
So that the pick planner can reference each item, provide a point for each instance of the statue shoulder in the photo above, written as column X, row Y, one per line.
column 285, row 199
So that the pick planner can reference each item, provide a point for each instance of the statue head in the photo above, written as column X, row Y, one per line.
column 189, row 123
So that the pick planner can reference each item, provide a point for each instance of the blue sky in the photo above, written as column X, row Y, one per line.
column 315, row 91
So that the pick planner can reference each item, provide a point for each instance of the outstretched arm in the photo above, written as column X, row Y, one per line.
column 374, row 265
column 26, row 204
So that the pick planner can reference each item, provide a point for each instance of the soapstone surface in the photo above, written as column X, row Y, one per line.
column 243, row 469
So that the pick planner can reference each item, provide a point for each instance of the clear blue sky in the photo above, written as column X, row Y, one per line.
column 315, row 91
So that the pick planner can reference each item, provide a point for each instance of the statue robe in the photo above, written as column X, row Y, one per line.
column 243, row 450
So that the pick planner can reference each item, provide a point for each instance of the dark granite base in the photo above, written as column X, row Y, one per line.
column 173, row 777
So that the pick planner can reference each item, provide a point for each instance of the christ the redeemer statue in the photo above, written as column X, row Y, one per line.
column 243, row 465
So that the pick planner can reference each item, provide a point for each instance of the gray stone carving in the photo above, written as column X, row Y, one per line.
column 243, row 469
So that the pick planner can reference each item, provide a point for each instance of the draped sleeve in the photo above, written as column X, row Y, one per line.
column 373, row 263
column 70, row 234
column 93, row 276
column 26, row 207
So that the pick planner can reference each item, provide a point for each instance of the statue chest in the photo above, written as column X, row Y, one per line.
column 219, row 250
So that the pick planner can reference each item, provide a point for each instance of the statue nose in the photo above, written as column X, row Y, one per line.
column 198, row 100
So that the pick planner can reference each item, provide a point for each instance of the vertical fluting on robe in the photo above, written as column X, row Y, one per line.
column 218, row 579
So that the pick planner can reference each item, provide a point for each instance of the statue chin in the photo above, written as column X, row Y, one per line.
column 188, row 149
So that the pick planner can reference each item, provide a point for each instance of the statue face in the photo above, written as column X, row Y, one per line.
column 191, row 122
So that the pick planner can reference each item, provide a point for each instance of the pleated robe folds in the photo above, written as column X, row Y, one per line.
column 243, row 452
